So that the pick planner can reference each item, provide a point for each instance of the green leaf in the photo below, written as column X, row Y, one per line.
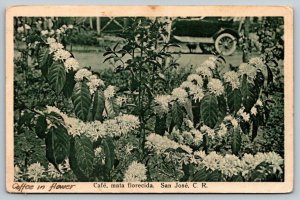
column 214, row 176
column 200, row 175
column 98, row 105
column 57, row 144
column 209, row 110
column 255, row 126
column 82, row 100
column 69, row 85
column 222, row 108
column 250, row 94
column 234, row 100
column 160, row 124
column 109, row 108
column 109, row 150
column 188, row 108
column 236, row 141
column 57, row 77
column 41, row 126
column 44, row 60
column 82, row 157
column 177, row 115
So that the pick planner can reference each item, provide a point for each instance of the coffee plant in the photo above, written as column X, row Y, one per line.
column 153, row 125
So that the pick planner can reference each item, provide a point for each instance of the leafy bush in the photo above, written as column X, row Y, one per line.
column 146, row 124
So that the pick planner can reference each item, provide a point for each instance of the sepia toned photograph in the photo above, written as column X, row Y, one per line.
column 197, row 100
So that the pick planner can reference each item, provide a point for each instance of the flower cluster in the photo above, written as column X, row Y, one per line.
column 120, row 125
column 109, row 92
column 257, row 62
column 232, row 120
column 231, row 165
column 93, row 81
column 232, row 78
column 63, row 168
column 196, row 79
column 160, row 144
column 193, row 90
column 179, row 95
column 215, row 86
column 245, row 116
column 162, row 102
column 35, row 172
column 60, row 54
column 136, row 172
column 192, row 137
column 249, row 70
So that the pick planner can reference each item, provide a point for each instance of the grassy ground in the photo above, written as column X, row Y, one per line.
column 95, row 59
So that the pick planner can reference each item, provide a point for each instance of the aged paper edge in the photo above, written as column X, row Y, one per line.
column 212, row 187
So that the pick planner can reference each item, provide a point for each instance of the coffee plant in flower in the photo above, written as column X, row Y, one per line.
column 150, row 127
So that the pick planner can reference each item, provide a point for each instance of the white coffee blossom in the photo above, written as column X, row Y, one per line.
column 71, row 64
column 109, row 92
column 159, row 144
column 187, row 85
column 52, row 171
column 204, row 72
column 210, row 132
column 136, row 172
column 35, row 172
column 44, row 32
column 234, row 123
column 121, row 125
column 20, row 29
column 180, row 95
column 163, row 102
column 61, row 54
column 195, row 78
column 257, row 62
column 248, row 70
column 198, row 136
column 259, row 102
column 215, row 86
column 94, row 83
column 50, row 40
column 197, row 93
column 230, row 165
column 98, row 151
column 245, row 116
column 200, row 154
column 232, row 78
column 210, row 63
column 222, row 131
column 121, row 100
column 27, row 27
column 17, row 173
column 81, row 74
column 55, row 46
column 253, row 111
column 94, row 130
column 212, row 161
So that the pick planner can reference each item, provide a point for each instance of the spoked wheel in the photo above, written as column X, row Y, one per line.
column 225, row 44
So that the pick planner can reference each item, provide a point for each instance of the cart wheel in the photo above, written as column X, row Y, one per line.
column 225, row 44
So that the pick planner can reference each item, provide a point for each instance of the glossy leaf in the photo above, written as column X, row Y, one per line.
column 82, row 100
column 41, row 126
column 234, row 100
column 236, row 141
column 57, row 145
column 98, row 105
column 209, row 110
column 82, row 157
column 57, row 77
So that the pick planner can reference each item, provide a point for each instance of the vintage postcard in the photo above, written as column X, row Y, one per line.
column 149, row 99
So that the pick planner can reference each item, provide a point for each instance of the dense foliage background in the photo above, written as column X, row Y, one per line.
column 147, row 117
